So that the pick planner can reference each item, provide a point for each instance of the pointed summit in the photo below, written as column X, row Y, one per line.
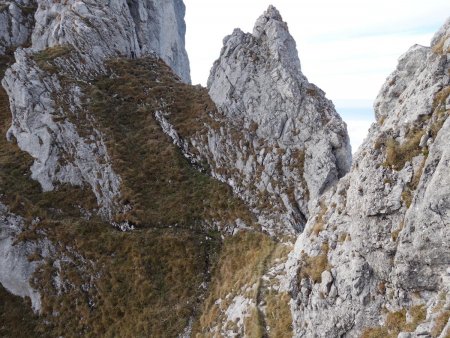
column 270, row 14
column 272, row 30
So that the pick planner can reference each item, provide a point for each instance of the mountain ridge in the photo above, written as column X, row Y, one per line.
column 132, row 203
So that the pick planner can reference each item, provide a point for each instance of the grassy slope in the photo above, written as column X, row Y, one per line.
column 142, row 283
column 158, row 182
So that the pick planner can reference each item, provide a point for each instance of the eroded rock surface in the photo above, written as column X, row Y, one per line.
column 16, row 24
column 16, row 267
column 374, row 256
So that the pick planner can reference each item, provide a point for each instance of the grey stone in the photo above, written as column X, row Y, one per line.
column 280, row 143
column 397, row 250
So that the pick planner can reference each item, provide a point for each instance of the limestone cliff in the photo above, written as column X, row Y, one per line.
column 374, row 258
column 135, row 204
column 276, row 139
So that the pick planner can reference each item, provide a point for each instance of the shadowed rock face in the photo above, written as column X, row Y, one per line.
column 292, row 144
column 16, row 24
column 382, row 234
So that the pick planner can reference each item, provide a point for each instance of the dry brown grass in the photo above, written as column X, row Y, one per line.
column 441, row 97
column 407, row 197
column 313, row 266
column 398, row 154
column 241, row 263
column 278, row 315
column 253, row 324
column 16, row 317
column 440, row 323
column 158, row 182
column 396, row 322
column 319, row 225
column 439, row 47
column 141, row 283
column 376, row 332
column 45, row 58
column 396, row 232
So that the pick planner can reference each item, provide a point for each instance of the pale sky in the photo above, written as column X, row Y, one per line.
column 346, row 47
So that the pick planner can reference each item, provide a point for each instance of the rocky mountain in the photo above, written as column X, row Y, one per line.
column 134, row 204
column 280, row 142
column 374, row 259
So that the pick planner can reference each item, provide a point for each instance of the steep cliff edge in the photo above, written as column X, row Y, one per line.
column 374, row 258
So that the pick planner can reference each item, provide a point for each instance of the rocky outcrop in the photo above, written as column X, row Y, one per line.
column 103, row 29
column 160, row 28
column 16, row 24
column 59, row 47
column 16, row 267
column 374, row 257
column 280, row 143
column 72, row 39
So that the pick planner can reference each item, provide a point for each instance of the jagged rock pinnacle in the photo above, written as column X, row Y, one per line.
column 257, row 83
column 271, row 14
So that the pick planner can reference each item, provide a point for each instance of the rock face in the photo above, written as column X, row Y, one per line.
column 160, row 28
column 105, row 29
column 374, row 257
column 77, row 37
column 16, row 269
column 280, row 143
column 16, row 24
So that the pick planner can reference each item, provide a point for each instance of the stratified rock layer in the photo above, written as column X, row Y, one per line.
column 375, row 255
